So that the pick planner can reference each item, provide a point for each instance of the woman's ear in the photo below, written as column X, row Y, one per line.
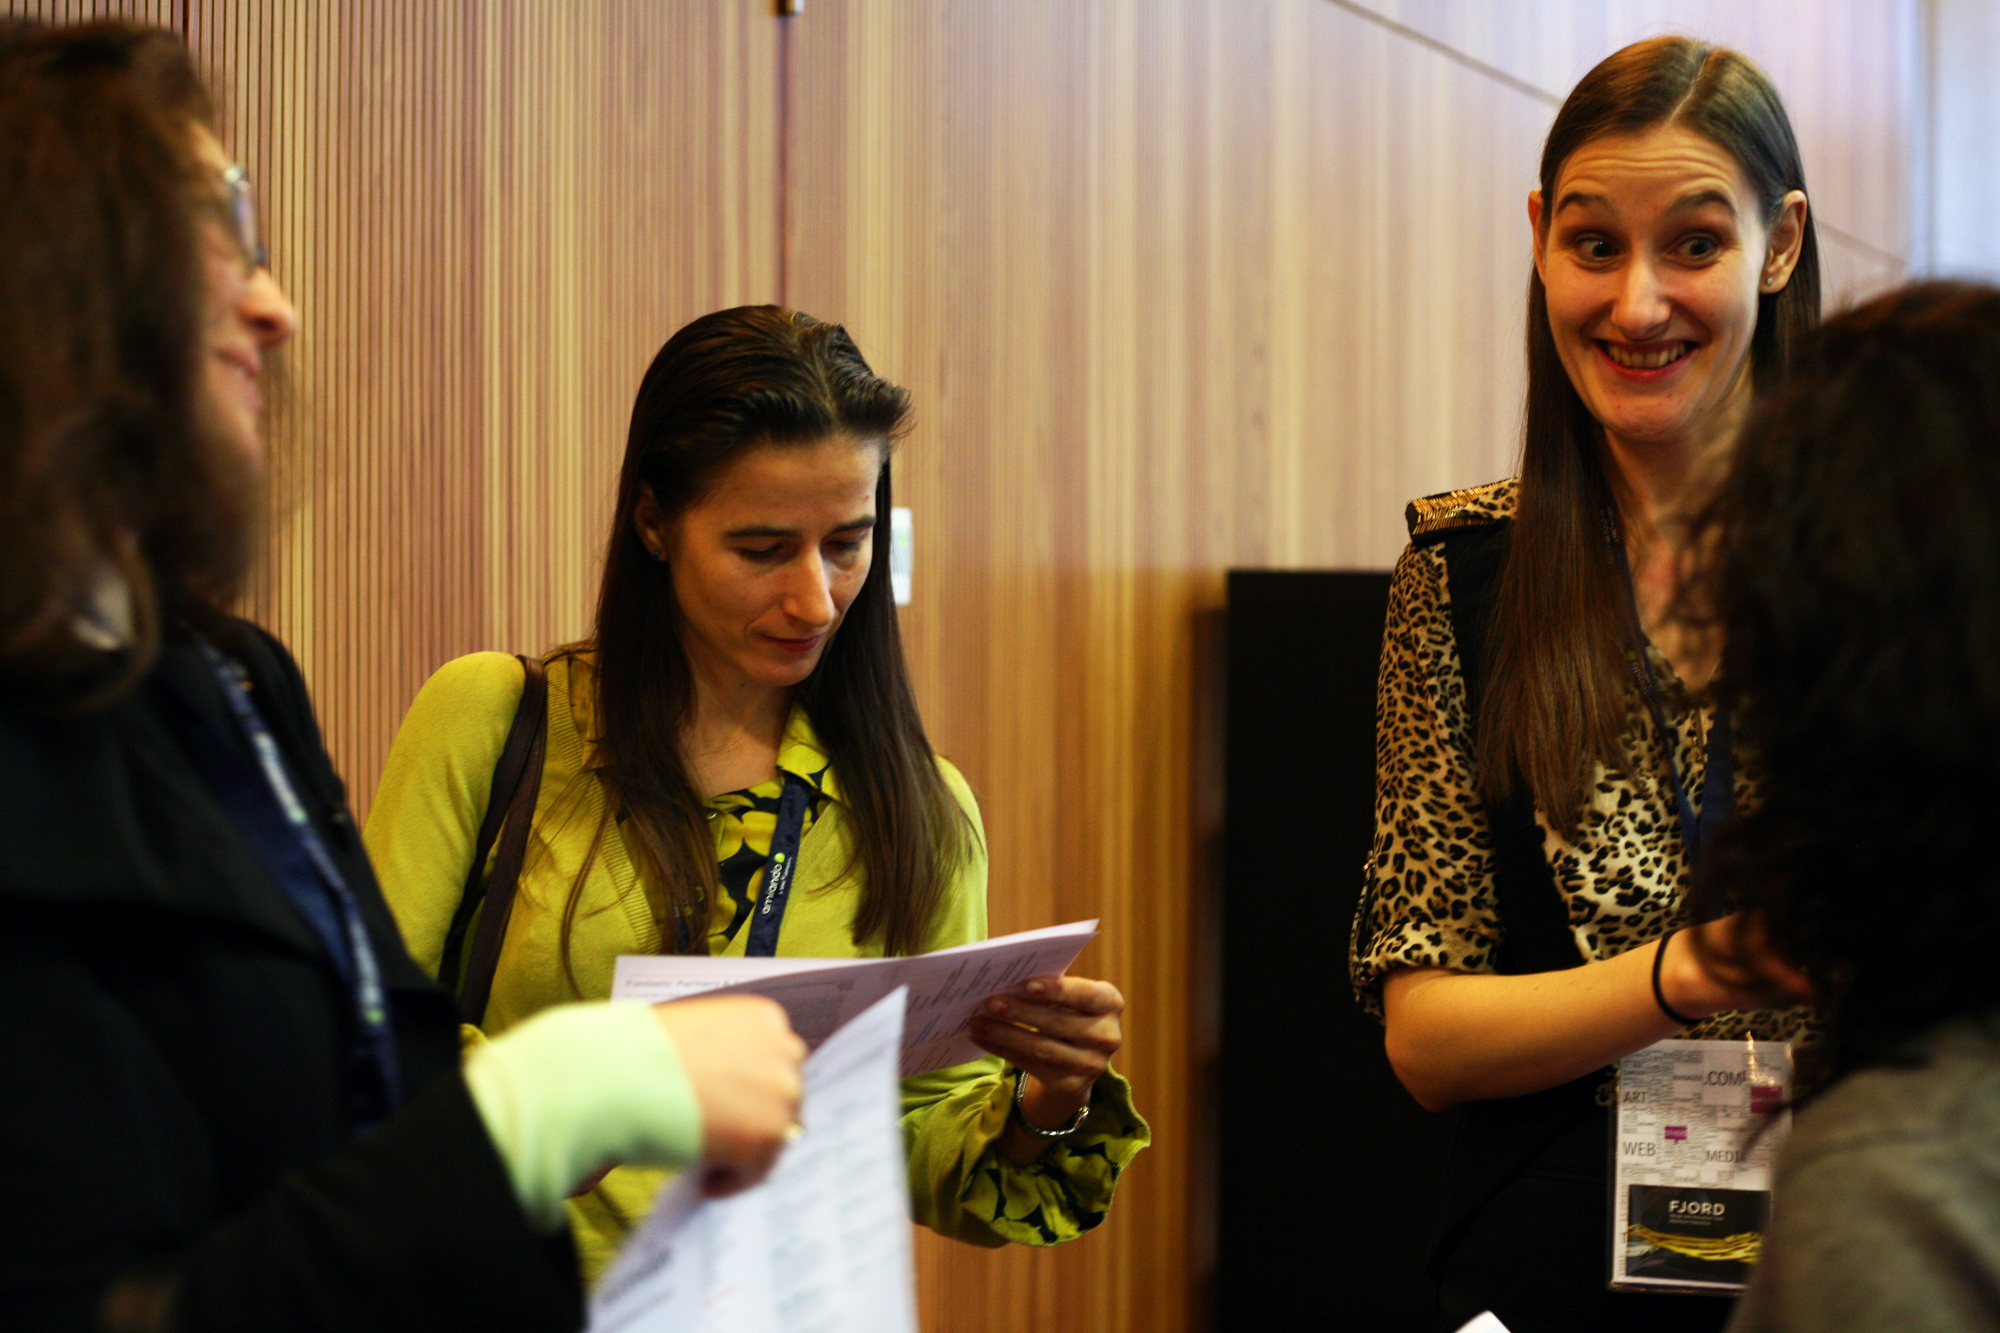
column 1535, row 230
column 1788, row 238
column 650, row 523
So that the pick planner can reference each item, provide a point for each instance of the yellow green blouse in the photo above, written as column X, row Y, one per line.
column 420, row 833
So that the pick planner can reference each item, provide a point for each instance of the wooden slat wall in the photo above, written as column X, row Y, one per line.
column 489, row 216
column 1178, row 286
column 165, row 13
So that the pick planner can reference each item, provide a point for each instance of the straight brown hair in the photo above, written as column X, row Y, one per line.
column 729, row 382
column 1557, row 693
column 107, row 463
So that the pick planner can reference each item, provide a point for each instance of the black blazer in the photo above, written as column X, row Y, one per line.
column 173, row 1116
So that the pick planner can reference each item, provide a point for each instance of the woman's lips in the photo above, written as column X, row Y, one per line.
column 247, row 368
column 798, row 646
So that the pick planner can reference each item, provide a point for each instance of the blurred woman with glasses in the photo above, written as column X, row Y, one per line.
column 228, row 1098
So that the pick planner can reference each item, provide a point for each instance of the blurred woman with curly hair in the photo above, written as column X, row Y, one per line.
column 1854, row 570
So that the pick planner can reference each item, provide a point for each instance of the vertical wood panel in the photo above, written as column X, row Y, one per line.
column 490, row 216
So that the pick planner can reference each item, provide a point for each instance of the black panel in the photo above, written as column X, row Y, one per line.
column 1326, row 1164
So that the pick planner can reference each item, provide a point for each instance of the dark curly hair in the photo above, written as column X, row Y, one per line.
column 1854, row 569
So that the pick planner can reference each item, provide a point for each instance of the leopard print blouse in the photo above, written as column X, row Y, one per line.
column 1429, row 899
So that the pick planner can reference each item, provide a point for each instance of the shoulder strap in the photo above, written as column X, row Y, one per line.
column 1536, row 935
column 517, row 781
column 1561, row 1127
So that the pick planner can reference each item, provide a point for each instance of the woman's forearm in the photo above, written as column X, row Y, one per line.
column 1456, row 1037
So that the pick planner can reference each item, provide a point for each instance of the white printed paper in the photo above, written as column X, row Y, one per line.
column 1484, row 1323
column 822, row 1246
column 1699, row 1127
column 947, row 988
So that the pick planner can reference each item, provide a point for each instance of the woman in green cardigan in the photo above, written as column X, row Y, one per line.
column 746, row 684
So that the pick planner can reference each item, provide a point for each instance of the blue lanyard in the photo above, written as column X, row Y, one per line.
column 328, row 905
column 778, row 871
column 1718, row 786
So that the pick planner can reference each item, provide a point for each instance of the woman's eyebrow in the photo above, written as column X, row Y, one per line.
column 1583, row 199
column 1687, row 203
column 861, row 524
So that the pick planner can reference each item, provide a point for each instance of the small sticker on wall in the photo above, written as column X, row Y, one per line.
column 902, row 546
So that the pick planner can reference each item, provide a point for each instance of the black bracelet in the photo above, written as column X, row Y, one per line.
column 1659, row 992
column 1021, row 1117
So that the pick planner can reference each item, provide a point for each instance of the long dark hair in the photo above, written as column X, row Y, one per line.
column 1556, row 700
column 760, row 375
column 1855, row 568
column 107, row 463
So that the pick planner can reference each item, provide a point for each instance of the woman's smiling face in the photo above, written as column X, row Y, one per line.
column 247, row 315
column 1653, row 254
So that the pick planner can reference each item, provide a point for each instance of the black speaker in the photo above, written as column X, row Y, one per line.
column 1325, row 1165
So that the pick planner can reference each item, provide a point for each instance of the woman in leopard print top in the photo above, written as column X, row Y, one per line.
column 1673, row 255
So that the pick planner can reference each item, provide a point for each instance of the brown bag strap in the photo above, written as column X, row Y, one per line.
column 510, row 803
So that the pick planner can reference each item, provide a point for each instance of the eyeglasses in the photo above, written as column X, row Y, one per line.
column 243, row 213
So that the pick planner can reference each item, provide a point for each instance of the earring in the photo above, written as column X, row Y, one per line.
column 656, row 553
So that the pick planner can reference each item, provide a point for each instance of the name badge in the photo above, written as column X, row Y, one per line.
column 1698, row 1128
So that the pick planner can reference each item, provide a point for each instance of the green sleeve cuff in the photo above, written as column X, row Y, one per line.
column 577, row 1088
column 962, row 1187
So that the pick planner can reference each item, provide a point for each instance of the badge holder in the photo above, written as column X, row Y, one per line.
column 1697, row 1130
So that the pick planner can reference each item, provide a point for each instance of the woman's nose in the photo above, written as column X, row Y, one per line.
column 266, row 309
column 809, row 599
column 1643, row 309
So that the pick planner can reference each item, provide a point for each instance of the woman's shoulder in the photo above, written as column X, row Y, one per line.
column 480, row 693
column 473, row 686
column 1447, row 520
column 961, row 790
column 1429, row 516
column 1946, row 1090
